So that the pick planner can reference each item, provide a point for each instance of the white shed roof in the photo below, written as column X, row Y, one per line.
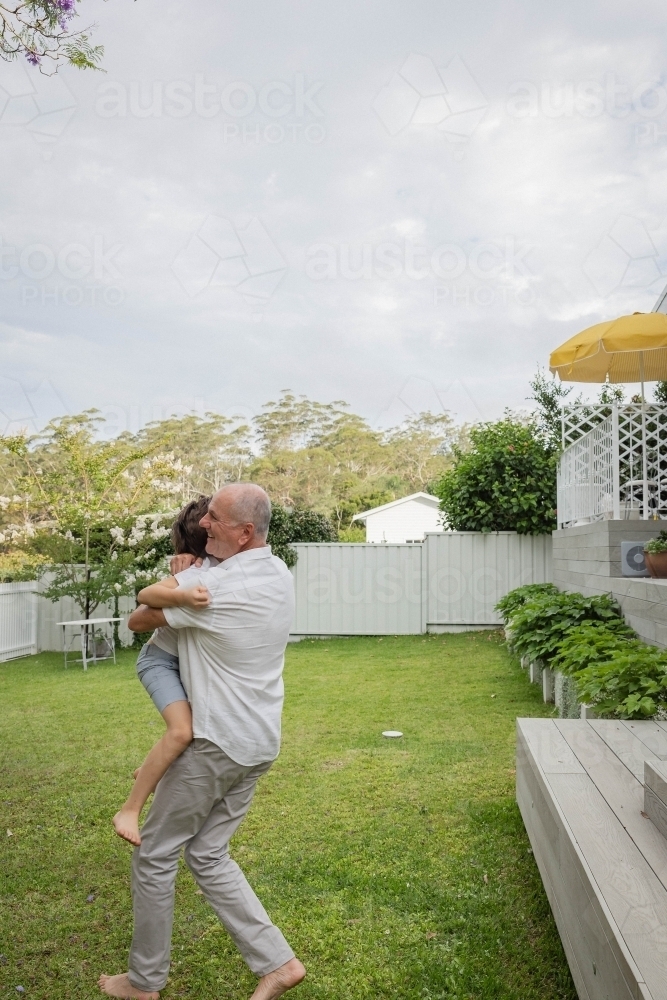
column 423, row 497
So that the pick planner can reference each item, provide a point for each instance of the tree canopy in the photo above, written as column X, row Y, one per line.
column 311, row 454
column 75, row 498
column 506, row 482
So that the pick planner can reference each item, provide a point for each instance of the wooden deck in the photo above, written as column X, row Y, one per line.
column 602, row 858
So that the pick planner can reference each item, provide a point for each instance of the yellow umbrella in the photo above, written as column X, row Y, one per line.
column 628, row 349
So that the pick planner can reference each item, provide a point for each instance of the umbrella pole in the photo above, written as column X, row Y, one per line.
column 644, row 460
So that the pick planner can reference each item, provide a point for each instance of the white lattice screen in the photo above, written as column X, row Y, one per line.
column 614, row 462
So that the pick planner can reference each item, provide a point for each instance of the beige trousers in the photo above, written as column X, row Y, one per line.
column 198, row 805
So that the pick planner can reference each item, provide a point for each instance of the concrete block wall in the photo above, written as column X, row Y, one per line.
column 587, row 559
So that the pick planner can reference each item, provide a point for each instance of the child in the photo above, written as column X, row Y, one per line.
column 157, row 667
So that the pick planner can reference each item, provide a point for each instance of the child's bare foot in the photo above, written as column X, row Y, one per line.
column 121, row 987
column 135, row 773
column 280, row 981
column 126, row 824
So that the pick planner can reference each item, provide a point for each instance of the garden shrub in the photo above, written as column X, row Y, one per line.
column 599, row 657
column 593, row 642
column 18, row 566
column 632, row 684
column 297, row 524
column 516, row 598
column 540, row 625
column 505, row 482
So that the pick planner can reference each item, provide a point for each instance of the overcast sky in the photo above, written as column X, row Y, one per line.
column 404, row 205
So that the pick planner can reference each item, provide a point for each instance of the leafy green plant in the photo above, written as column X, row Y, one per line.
column 19, row 566
column 658, row 544
column 632, row 684
column 593, row 642
column 586, row 639
column 542, row 623
column 506, row 482
column 354, row 534
column 72, row 490
column 516, row 598
column 297, row 524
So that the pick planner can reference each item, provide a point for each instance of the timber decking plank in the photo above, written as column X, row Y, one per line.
column 627, row 747
column 651, row 735
column 545, row 858
column 548, row 747
column 621, row 790
column 596, row 952
column 608, row 960
column 635, row 896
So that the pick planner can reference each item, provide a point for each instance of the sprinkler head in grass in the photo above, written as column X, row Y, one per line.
column 392, row 734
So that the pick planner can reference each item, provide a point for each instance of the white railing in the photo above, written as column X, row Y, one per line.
column 18, row 619
column 614, row 463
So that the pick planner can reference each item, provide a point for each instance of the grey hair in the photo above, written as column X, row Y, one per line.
column 249, row 505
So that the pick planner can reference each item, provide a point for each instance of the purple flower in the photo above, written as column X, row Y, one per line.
column 33, row 58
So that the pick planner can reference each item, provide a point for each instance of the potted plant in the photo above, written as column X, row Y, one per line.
column 655, row 553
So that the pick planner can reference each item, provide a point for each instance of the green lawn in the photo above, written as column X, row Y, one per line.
column 397, row 869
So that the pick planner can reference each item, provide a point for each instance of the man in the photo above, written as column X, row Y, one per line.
column 231, row 660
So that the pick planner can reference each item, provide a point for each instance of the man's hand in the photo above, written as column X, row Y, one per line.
column 178, row 563
column 195, row 597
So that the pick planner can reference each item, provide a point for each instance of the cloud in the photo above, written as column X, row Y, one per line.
column 459, row 273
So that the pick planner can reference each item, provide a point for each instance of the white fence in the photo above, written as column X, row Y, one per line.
column 18, row 620
column 467, row 572
column 29, row 623
column 453, row 579
column 49, row 613
column 614, row 463
column 346, row 589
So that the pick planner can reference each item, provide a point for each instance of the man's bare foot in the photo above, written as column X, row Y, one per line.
column 280, row 981
column 120, row 986
column 126, row 824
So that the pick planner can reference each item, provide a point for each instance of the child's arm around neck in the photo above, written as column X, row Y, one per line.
column 167, row 594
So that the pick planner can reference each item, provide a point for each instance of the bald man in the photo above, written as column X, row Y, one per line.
column 231, row 657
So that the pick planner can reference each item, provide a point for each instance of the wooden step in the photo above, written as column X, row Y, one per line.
column 655, row 793
column 603, row 863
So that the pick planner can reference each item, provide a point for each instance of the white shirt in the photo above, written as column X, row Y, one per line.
column 232, row 653
column 165, row 637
